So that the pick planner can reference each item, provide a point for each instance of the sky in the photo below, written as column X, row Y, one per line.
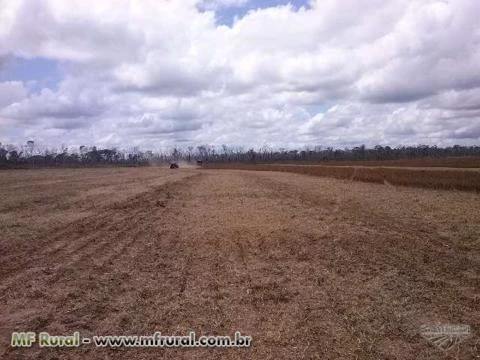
column 160, row 73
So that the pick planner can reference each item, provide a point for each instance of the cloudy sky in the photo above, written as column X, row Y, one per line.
column 155, row 73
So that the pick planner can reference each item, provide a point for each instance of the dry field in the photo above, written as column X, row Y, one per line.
column 310, row 267
column 427, row 177
column 448, row 162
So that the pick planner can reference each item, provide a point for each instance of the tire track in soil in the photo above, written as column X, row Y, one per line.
column 108, row 226
column 78, row 232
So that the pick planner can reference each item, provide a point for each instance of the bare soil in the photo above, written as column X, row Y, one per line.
column 310, row 267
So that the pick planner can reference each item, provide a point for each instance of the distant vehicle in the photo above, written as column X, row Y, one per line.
column 173, row 166
column 199, row 162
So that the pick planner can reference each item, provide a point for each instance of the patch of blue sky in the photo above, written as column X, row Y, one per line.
column 38, row 72
column 226, row 15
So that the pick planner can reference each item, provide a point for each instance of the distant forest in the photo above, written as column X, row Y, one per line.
column 29, row 155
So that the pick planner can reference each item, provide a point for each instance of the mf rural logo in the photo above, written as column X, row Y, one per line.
column 445, row 337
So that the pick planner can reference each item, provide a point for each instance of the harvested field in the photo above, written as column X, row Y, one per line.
column 310, row 267
column 435, row 177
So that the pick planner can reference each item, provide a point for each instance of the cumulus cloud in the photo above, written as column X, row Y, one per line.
column 159, row 72
column 52, row 105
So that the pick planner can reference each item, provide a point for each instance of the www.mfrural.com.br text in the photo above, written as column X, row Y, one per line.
column 157, row 339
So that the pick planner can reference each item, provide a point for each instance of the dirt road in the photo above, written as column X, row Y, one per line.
column 309, row 267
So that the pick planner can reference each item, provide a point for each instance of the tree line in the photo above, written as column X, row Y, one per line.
column 30, row 155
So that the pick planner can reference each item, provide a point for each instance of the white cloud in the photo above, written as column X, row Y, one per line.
column 157, row 72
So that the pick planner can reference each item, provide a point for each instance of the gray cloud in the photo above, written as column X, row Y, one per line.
column 155, row 124
column 469, row 132
column 51, row 105
column 10, row 92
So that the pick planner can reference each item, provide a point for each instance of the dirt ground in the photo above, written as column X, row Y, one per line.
column 310, row 267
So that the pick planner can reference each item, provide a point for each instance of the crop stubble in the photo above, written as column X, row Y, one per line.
column 310, row 267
